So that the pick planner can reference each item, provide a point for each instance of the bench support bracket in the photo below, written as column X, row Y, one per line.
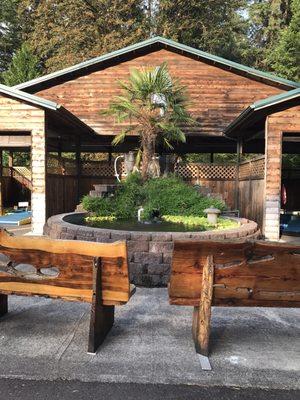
column 102, row 317
column 3, row 304
column 202, row 314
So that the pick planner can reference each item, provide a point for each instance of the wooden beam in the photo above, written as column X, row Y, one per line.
column 202, row 314
column 102, row 317
column 15, row 141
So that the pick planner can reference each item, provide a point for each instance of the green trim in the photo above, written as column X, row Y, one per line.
column 277, row 99
column 29, row 98
column 261, row 104
column 167, row 42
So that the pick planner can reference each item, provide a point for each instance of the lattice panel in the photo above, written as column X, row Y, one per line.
column 206, row 171
column 252, row 169
column 65, row 166
column 101, row 168
column 258, row 168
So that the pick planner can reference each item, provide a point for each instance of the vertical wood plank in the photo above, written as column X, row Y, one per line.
column 3, row 304
column 202, row 314
column 102, row 317
column 1, row 182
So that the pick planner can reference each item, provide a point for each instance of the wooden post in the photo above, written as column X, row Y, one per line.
column 1, row 183
column 78, row 167
column 38, row 173
column 102, row 317
column 239, row 150
column 3, row 304
column 10, row 162
column 202, row 314
column 211, row 158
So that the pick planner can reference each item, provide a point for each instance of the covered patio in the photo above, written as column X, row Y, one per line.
column 272, row 126
column 31, row 124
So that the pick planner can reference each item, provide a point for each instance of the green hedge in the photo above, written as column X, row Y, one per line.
column 166, row 195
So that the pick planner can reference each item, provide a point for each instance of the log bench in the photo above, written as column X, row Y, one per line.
column 91, row 272
column 239, row 273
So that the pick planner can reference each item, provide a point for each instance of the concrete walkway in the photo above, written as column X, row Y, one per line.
column 150, row 343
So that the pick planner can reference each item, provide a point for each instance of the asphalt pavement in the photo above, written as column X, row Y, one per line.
column 63, row 390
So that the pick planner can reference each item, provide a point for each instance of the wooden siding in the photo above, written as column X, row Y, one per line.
column 19, row 116
column 16, row 115
column 276, row 124
column 217, row 96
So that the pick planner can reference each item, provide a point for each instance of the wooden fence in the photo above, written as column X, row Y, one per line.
column 251, row 189
column 66, row 185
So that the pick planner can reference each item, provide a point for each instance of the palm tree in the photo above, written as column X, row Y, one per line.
column 155, row 107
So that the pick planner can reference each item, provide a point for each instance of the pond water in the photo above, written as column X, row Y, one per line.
column 125, row 225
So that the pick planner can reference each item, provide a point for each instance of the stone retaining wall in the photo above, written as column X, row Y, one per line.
column 150, row 253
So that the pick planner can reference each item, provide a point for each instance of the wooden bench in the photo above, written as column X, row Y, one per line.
column 240, row 273
column 91, row 272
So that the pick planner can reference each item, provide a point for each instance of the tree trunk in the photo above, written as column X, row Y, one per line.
column 148, row 148
column 146, row 158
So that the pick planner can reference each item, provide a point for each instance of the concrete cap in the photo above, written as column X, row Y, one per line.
column 212, row 210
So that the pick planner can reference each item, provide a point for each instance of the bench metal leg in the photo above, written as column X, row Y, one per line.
column 102, row 317
column 3, row 304
column 202, row 315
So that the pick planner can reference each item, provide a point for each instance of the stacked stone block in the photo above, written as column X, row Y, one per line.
column 149, row 253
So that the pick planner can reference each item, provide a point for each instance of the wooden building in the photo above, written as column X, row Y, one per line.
column 61, row 111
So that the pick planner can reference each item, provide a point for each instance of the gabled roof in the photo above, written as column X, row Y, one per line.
column 47, row 105
column 260, row 109
column 29, row 98
column 67, row 73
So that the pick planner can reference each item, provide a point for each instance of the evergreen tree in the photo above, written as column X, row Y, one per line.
column 24, row 66
column 215, row 26
column 10, row 31
column 285, row 57
column 267, row 20
column 66, row 32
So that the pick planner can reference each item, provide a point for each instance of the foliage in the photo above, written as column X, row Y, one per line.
column 155, row 107
column 222, row 158
column 223, row 223
column 274, row 36
column 65, row 32
column 10, row 35
column 20, row 159
column 172, row 196
column 95, row 221
column 24, row 66
column 260, row 33
column 215, row 26
column 285, row 56
column 167, row 196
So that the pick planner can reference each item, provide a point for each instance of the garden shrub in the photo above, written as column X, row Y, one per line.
column 166, row 195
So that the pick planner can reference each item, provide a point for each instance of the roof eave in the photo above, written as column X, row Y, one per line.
column 167, row 42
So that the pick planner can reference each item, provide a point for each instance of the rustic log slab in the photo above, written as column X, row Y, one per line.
column 69, row 270
column 73, row 261
column 202, row 314
column 3, row 304
column 232, row 273
column 102, row 317
column 247, row 273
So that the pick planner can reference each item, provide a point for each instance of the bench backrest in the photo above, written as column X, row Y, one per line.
column 246, row 273
column 62, row 268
